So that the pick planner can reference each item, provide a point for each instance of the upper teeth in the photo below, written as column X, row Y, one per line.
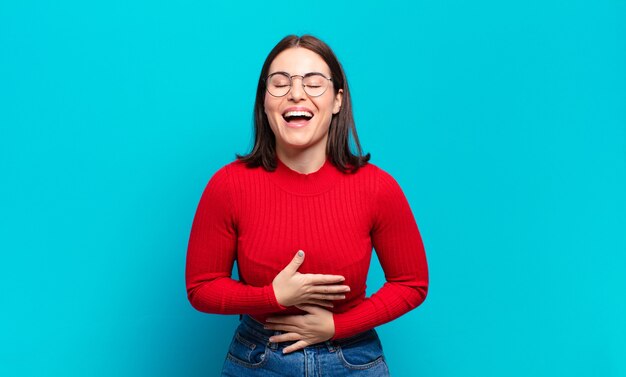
column 298, row 114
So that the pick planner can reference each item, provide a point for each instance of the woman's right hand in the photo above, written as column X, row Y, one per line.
column 293, row 288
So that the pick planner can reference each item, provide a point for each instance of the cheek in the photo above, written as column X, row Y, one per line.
column 271, row 108
column 327, row 107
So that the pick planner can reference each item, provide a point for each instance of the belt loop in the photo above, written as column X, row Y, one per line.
column 330, row 346
column 273, row 345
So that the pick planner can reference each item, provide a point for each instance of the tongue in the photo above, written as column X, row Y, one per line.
column 297, row 119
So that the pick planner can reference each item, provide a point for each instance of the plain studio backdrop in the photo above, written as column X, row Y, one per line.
column 503, row 121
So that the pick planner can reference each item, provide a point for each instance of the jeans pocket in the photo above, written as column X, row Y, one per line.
column 362, row 354
column 247, row 351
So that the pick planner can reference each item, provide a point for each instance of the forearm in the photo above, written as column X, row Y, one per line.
column 224, row 295
column 390, row 302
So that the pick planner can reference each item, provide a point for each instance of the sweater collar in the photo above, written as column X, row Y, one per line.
column 322, row 180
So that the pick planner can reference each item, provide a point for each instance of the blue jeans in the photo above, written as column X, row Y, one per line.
column 252, row 354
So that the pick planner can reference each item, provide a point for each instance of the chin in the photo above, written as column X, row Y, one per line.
column 298, row 140
column 293, row 144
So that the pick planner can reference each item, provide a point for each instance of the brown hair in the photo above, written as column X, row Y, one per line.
column 341, row 126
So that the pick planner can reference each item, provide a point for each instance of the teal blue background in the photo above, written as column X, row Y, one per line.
column 503, row 121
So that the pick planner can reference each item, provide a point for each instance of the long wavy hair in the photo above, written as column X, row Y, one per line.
column 338, row 148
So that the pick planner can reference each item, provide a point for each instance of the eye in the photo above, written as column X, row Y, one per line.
column 279, row 80
column 314, row 81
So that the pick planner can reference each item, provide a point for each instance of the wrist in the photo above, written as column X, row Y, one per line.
column 274, row 294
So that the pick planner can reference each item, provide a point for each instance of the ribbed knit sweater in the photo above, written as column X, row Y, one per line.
column 261, row 219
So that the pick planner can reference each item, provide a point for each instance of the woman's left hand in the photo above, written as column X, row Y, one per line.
column 316, row 326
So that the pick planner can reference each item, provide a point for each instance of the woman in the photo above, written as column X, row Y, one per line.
column 300, row 214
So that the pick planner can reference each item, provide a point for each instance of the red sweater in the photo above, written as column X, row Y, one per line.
column 261, row 219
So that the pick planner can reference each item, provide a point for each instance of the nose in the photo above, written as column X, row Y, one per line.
column 297, row 90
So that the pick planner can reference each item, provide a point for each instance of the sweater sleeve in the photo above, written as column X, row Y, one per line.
column 211, row 254
column 400, row 250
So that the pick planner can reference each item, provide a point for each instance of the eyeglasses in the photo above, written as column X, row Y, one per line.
column 314, row 84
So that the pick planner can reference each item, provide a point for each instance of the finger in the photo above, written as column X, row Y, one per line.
column 296, row 346
column 296, row 262
column 309, row 308
column 325, row 279
column 327, row 297
column 283, row 319
column 330, row 289
column 322, row 303
column 288, row 337
column 283, row 328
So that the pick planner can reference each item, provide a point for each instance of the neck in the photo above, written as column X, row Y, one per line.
column 303, row 161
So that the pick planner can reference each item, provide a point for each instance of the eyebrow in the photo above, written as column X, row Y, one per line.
column 306, row 74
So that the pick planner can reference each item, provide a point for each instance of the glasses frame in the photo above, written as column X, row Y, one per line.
column 302, row 77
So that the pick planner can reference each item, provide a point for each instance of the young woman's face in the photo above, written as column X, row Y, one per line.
column 298, row 120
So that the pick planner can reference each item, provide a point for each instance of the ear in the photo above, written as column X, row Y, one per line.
column 338, row 101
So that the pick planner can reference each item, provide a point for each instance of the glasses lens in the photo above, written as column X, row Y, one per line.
column 278, row 84
column 315, row 84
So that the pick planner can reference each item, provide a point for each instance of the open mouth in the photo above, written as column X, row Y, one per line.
column 297, row 116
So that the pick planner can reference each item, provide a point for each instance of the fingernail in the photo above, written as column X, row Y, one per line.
column 300, row 253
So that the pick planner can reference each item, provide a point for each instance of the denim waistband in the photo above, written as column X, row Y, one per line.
column 254, row 328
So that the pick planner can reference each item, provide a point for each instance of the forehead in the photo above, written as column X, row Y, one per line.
column 299, row 61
